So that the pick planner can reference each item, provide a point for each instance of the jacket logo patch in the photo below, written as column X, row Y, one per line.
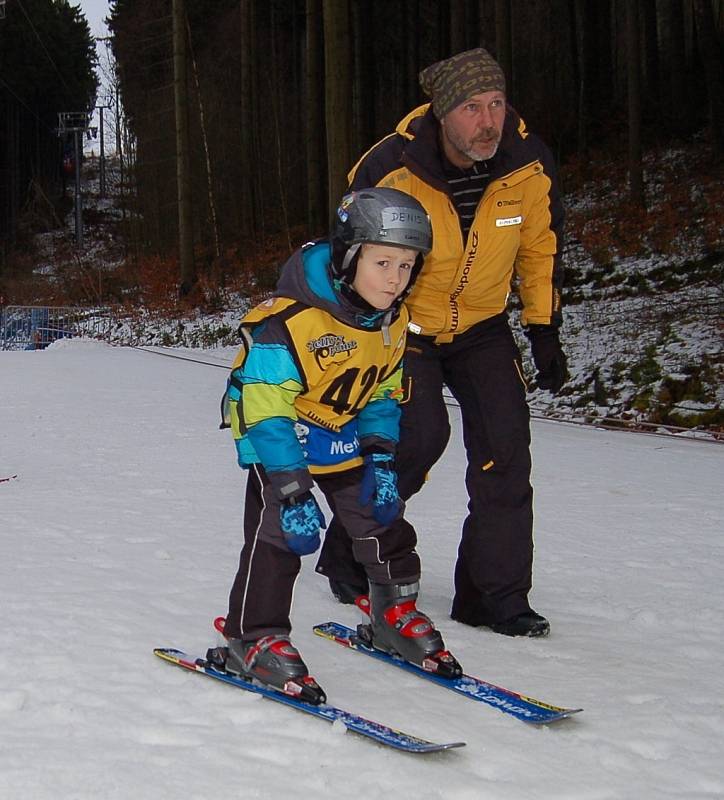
column 464, row 280
column 331, row 349
column 326, row 448
column 505, row 221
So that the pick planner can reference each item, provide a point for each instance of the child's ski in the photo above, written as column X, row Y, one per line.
column 527, row 709
column 372, row 730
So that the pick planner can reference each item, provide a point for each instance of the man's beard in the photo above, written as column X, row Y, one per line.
column 475, row 157
column 466, row 148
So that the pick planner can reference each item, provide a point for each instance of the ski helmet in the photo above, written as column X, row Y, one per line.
column 378, row 216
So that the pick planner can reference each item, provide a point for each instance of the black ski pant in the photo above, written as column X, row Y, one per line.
column 482, row 369
column 261, row 596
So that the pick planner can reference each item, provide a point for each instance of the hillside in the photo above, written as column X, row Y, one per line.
column 644, row 292
column 643, row 296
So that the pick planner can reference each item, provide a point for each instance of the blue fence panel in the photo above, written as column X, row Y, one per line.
column 35, row 327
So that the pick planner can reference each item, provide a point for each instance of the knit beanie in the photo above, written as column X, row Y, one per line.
column 459, row 77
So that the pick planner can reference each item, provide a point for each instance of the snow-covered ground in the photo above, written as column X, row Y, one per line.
column 121, row 533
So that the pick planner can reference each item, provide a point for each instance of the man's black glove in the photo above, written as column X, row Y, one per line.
column 548, row 356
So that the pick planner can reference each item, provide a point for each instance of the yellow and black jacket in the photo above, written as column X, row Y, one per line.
column 320, row 378
column 517, row 227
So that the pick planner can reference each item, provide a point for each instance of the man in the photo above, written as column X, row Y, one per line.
column 490, row 189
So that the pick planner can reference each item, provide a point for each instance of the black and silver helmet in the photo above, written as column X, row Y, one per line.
column 377, row 216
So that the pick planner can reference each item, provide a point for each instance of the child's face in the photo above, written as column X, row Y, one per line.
column 383, row 272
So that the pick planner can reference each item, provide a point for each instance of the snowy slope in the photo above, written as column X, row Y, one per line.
column 122, row 533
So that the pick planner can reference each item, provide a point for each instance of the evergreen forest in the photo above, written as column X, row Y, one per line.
column 232, row 124
column 47, row 68
column 279, row 98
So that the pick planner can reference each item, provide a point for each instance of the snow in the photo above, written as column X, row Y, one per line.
column 122, row 533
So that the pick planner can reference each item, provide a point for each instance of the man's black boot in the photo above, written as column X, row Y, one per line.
column 526, row 624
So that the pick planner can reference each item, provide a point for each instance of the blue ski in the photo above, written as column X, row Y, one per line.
column 527, row 709
column 365, row 727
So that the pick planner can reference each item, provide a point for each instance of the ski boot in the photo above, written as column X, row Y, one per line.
column 273, row 661
column 398, row 628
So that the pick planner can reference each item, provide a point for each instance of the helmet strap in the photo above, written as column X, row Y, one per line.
column 349, row 257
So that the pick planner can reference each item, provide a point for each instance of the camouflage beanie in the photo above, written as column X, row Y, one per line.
column 452, row 81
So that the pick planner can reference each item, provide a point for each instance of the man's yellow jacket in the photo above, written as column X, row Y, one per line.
column 516, row 231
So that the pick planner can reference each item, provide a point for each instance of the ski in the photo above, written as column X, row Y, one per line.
column 9, row 478
column 382, row 734
column 527, row 709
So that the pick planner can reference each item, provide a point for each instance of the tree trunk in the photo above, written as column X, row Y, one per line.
column 443, row 30
column 207, row 154
column 412, row 55
column 316, row 176
column 651, row 55
column 338, row 98
column 601, row 78
column 248, row 226
column 635, row 164
column 363, row 84
column 274, row 86
column 503, row 42
column 671, row 15
column 458, row 32
column 710, row 53
column 582, row 58
column 486, row 26
column 183, row 164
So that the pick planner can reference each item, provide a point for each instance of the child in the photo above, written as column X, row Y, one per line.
column 314, row 399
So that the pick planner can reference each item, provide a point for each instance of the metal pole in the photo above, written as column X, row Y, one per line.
column 78, row 196
column 103, row 160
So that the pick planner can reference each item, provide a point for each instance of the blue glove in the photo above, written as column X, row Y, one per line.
column 379, row 486
column 301, row 521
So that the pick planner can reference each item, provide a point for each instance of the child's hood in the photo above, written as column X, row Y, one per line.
column 306, row 277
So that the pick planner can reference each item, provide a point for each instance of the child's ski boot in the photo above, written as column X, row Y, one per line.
column 274, row 662
column 398, row 628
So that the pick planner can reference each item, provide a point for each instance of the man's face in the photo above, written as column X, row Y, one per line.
column 471, row 131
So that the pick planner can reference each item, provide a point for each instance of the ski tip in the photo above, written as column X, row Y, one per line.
column 569, row 712
column 428, row 747
column 415, row 746
column 564, row 713
column 167, row 652
column 452, row 745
